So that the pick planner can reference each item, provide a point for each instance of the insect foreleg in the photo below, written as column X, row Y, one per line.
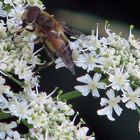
column 30, row 30
column 47, row 64
column 44, row 66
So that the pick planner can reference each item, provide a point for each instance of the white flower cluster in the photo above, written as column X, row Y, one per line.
column 48, row 119
column 115, row 62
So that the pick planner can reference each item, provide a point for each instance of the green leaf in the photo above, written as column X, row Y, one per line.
column 5, row 115
column 70, row 95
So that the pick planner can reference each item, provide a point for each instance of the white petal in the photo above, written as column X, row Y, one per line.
column 104, row 101
column 91, row 138
column 102, row 111
column 101, row 85
column 13, row 125
column 91, row 67
column 109, row 113
column 118, row 99
column 85, row 79
column 97, row 77
column 106, row 111
column 139, row 126
column 116, row 86
column 95, row 93
column 2, row 135
column 131, row 105
column 111, row 78
column 128, row 89
column 59, row 65
column 82, row 132
column 117, row 71
column 83, row 89
column 126, row 75
column 81, row 64
column 10, row 133
column 138, row 91
column 138, row 102
column 3, row 13
column 110, row 94
column 58, row 60
column 125, row 99
column 118, row 110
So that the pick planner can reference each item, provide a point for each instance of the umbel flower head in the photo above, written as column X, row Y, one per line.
column 48, row 118
column 115, row 63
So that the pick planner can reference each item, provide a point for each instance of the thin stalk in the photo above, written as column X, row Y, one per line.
column 14, row 79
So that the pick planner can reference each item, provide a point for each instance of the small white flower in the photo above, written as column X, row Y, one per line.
column 90, row 42
column 65, row 108
column 104, row 41
column 12, row 2
column 131, row 98
column 13, row 25
column 92, row 85
column 107, row 64
column 16, row 136
column 6, row 129
column 17, row 12
column 3, row 33
column 19, row 109
column 88, row 61
column 134, row 43
column 8, row 2
column 40, row 136
column 22, row 69
column 110, row 104
column 3, row 102
column 38, row 118
column 119, row 79
column 82, row 132
column 4, row 89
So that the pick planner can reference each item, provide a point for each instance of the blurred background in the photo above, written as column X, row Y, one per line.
column 83, row 15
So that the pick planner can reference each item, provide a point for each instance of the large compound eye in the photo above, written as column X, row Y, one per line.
column 31, row 13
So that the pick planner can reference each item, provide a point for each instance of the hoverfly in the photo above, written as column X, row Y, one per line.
column 51, row 33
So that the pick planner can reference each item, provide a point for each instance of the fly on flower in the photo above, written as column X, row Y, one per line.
column 51, row 33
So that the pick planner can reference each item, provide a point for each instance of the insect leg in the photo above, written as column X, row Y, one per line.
column 44, row 66
column 37, row 40
column 47, row 64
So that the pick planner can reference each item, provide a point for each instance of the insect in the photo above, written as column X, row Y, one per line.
column 51, row 33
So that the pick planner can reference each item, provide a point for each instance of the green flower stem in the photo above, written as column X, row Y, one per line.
column 70, row 95
column 138, row 110
column 14, row 79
